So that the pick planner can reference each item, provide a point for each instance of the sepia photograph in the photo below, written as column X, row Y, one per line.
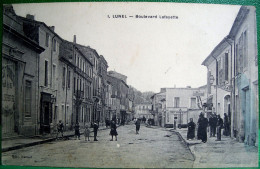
column 129, row 85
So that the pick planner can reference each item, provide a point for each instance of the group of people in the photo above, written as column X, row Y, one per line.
column 113, row 131
column 215, row 124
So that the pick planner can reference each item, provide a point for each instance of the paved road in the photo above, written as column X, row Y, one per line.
column 157, row 148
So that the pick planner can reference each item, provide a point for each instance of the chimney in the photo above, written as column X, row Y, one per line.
column 188, row 86
column 74, row 39
column 31, row 17
column 52, row 28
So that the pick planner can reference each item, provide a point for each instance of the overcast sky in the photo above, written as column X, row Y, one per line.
column 152, row 53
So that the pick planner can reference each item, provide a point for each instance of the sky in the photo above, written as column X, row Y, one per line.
column 153, row 53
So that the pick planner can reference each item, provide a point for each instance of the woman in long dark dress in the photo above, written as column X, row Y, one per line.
column 202, row 128
column 191, row 129
column 113, row 131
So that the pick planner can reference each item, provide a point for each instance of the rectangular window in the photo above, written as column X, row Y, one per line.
column 217, row 72
column 245, row 50
column 77, row 84
column 54, row 45
column 69, row 79
column 80, row 84
column 226, row 66
column 63, row 76
column 54, row 76
column 74, row 85
column 75, row 57
column 28, row 98
column 47, row 40
column 78, row 62
column 46, row 74
column 193, row 102
column 176, row 102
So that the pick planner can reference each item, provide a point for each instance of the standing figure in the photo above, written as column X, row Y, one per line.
column 113, row 131
column 137, row 125
column 86, row 132
column 60, row 128
column 95, row 126
column 212, row 125
column 219, row 127
column 202, row 128
column 226, row 125
column 77, row 133
column 191, row 130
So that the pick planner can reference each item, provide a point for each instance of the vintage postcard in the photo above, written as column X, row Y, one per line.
column 129, row 85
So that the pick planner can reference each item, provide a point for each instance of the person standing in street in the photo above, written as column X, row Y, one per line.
column 60, row 128
column 77, row 133
column 137, row 125
column 191, row 129
column 219, row 127
column 95, row 126
column 113, row 131
column 212, row 125
column 86, row 133
column 202, row 128
column 226, row 125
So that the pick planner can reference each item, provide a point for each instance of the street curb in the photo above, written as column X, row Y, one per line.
column 39, row 142
column 185, row 143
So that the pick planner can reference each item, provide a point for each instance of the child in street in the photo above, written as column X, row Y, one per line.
column 86, row 132
column 77, row 132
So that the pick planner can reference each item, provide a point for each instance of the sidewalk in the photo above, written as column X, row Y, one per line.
column 22, row 141
column 220, row 154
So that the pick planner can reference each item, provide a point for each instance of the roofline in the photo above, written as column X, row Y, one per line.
column 215, row 49
column 41, row 23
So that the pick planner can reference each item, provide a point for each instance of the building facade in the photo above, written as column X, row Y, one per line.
column 143, row 110
column 157, row 108
column 183, row 104
column 20, row 77
column 240, row 94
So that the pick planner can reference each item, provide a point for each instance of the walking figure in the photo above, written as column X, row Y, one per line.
column 95, row 126
column 60, row 128
column 113, row 131
column 77, row 133
column 87, row 132
column 137, row 124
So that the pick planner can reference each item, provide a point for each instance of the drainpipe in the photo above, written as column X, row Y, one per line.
column 216, row 108
column 231, row 78
column 52, row 47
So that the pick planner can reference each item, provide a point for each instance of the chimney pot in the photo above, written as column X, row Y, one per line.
column 52, row 28
column 29, row 16
column 74, row 39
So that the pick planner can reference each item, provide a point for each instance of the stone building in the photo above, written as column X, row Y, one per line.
column 143, row 110
column 20, row 77
column 245, row 94
column 158, row 109
column 183, row 104
column 233, row 72
column 102, row 71
column 120, row 91
column 49, row 61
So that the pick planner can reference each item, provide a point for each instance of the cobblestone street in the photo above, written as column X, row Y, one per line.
column 153, row 147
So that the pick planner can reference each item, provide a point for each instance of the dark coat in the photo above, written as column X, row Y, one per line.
column 191, row 130
column 113, row 131
column 202, row 129
column 95, row 127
